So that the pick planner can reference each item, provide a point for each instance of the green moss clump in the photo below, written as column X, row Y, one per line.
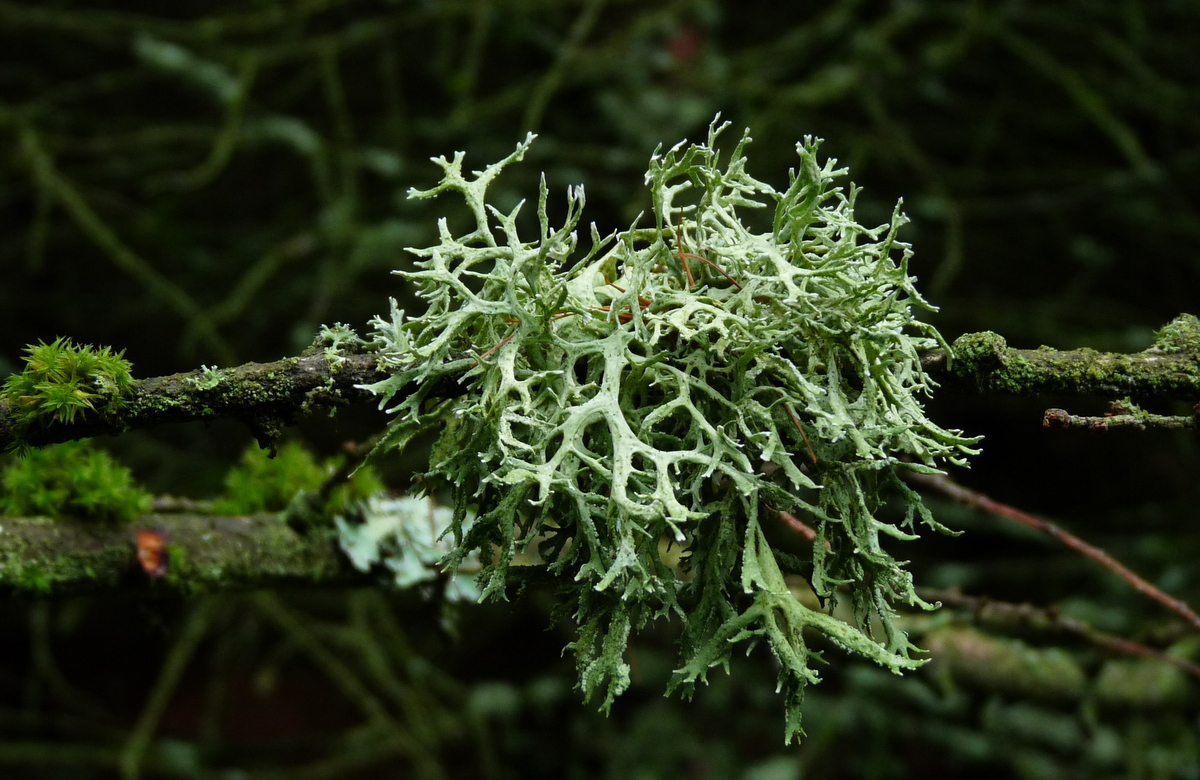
column 73, row 478
column 974, row 352
column 63, row 382
column 264, row 484
column 1181, row 334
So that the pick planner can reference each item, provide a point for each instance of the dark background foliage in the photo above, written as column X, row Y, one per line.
column 208, row 183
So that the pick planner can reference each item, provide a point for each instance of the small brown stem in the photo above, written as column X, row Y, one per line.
column 1060, row 419
column 1003, row 613
column 799, row 427
column 488, row 354
column 952, row 489
column 681, row 255
column 684, row 255
column 798, row 525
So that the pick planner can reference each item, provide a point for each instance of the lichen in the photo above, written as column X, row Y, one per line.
column 681, row 381
column 210, row 377
column 405, row 536
column 1181, row 334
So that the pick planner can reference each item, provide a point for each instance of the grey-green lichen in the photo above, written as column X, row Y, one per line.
column 63, row 382
column 681, row 381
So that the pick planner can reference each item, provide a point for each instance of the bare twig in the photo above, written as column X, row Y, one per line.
column 1002, row 613
column 798, row 525
column 952, row 489
column 181, row 652
column 1060, row 419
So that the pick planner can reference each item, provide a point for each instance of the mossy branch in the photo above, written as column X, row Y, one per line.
column 268, row 395
column 61, row 556
column 983, row 362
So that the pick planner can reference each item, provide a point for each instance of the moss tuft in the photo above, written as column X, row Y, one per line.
column 63, row 382
column 72, row 479
column 264, row 484
column 978, row 352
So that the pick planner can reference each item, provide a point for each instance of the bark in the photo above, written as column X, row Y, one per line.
column 983, row 362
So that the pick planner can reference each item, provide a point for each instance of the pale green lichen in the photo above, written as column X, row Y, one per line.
column 405, row 535
column 210, row 377
column 1181, row 334
column 680, row 381
column 337, row 342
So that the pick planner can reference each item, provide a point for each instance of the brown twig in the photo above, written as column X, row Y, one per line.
column 952, row 489
column 1060, row 419
column 1003, row 614
column 798, row 525
column 799, row 427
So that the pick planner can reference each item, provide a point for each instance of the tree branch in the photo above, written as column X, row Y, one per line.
column 65, row 555
column 984, row 362
column 268, row 396
column 952, row 489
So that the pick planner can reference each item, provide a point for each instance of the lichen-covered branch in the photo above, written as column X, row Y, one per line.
column 984, row 362
column 63, row 555
column 266, row 396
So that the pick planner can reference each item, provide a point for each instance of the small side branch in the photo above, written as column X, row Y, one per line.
column 1061, row 419
column 1006, row 615
column 948, row 487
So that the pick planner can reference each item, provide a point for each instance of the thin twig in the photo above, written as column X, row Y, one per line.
column 798, row 525
column 952, row 489
column 99, row 233
column 340, row 674
column 796, row 422
column 1060, row 419
column 990, row 611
